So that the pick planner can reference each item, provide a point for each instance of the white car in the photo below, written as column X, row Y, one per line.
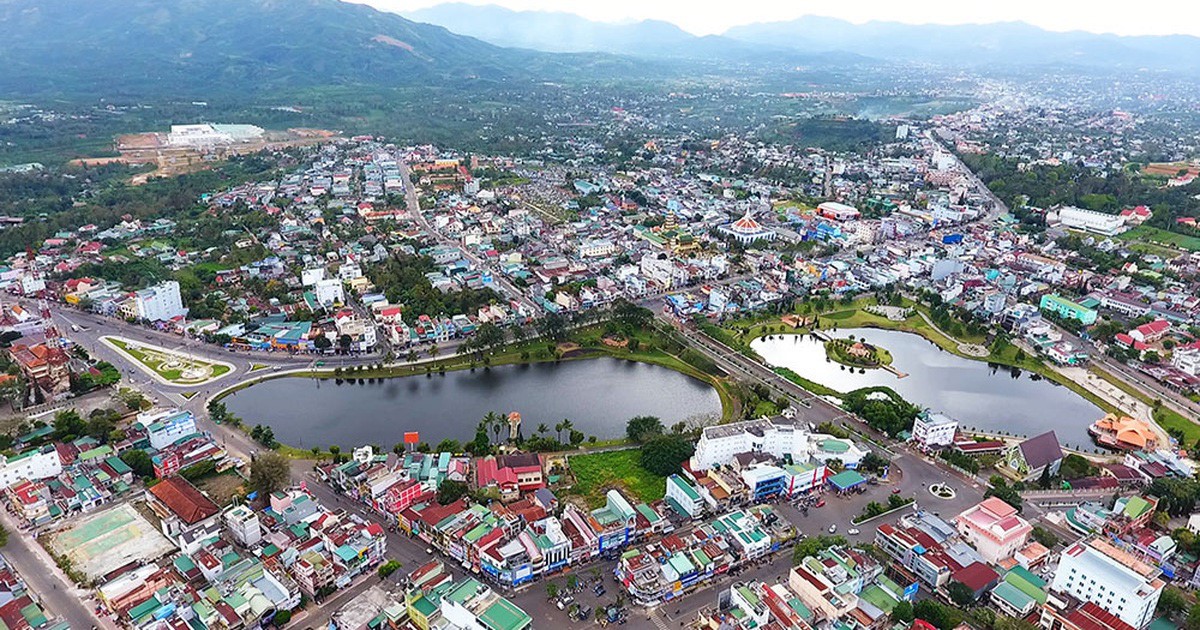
column 832, row 528
column 853, row 531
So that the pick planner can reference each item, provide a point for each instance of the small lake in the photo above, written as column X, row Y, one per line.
column 979, row 395
column 597, row 395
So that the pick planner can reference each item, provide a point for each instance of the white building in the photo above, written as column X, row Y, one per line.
column 310, row 277
column 158, row 303
column 1187, row 358
column 31, row 465
column 594, row 248
column 206, row 135
column 934, row 429
column 1096, row 571
column 165, row 428
column 1091, row 221
column 718, row 444
column 329, row 292
column 243, row 525
column 685, row 495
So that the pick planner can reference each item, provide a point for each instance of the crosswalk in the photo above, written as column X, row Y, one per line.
column 657, row 620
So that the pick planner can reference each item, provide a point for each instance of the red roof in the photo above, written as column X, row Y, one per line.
column 182, row 498
column 977, row 576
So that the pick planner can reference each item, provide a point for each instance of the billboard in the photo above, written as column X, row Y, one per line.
column 412, row 437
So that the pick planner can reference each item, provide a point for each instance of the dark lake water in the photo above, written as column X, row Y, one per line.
column 976, row 394
column 597, row 395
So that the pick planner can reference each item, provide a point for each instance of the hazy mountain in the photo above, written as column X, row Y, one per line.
column 197, row 47
column 566, row 32
column 1005, row 43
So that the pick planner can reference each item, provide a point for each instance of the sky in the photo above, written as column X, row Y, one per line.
column 705, row 17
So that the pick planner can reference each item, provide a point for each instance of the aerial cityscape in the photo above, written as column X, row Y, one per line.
column 391, row 314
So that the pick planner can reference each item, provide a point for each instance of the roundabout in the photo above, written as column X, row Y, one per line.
column 942, row 491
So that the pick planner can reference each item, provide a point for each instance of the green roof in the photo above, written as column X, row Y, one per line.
column 686, row 487
column 879, row 598
column 835, row 446
column 465, row 591
column 346, row 553
column 847, row 479
column 424, row 606
column 504, row 615
column 1013, row 595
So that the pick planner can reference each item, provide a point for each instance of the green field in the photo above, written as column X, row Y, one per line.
column 1157, row 236
column 596, row 473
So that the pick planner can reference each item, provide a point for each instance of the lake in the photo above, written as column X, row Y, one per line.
column 597, row 395
column 977, row 394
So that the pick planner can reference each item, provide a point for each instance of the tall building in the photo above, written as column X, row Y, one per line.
column 934, row 429
column 158, row 303
column 1116, row 581
column 778, row 438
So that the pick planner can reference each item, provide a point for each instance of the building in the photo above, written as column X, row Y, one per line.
column 32, row 465
column 684, row 497
column 204, row 135
column 779, row 438
column 1067, row 309
column 329, row 292
column 994, row 528
column 243, row 525
column 165, row 428
column 1026, row 460
column 933, row 430
column 1187, row 358
column 1095, row 571
column 180, row 506
column 158, row 303
column 45, row 365
column 838, row 211
column 746, row 230
column 1091, row 221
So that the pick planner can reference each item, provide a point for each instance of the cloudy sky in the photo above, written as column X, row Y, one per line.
column 704, row 17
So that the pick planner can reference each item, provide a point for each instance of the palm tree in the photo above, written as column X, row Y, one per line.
column 558, row 431
column 542, row 428
column 568, row 426
column 412, row 356
column 495, row 422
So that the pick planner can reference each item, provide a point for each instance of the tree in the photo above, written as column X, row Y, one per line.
column 1044, row 537
column 217, row 412
column 903, row 612
column 553, row 327
column 68, row 425
column 412, row 356
column 344, row 342
column 450, row 491
column 1193, row 618
column 1044, row 480
column 322, row 343
column 642, row 428
column 1171, row 602
column 664, row 454
column 961, row 594
column 139, row 461
column 269, row 472
column 551, row 590
column 449, row 445
column 388, row 568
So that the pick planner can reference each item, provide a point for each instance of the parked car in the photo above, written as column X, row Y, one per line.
column 832, row 528
column 853, row 531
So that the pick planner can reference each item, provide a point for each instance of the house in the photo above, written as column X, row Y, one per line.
column 1028, row 459
column 932, row 430
column 1095, row 571
column 181, row 507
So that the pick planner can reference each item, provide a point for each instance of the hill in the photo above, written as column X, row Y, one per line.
column 195, row 48
column 1008, row 44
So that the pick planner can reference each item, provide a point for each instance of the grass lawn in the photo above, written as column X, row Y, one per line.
column 596, row 473
column 1159, row 236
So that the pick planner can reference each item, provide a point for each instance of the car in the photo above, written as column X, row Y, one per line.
column 820, row 503
column 559, row 604
column 853, row 531
column 832, row 528
column 895, row 490
column 429, row 551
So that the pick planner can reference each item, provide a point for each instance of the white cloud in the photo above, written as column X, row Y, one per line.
column 710, row 16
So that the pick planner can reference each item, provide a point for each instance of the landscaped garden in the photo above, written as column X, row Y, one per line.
column 856, row 353
column 172, row 367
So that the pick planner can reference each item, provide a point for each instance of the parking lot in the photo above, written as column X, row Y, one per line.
column 911, row 476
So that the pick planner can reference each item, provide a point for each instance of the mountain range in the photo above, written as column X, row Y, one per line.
column 198, row 47
column 559, row 32
column 1010, row 44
